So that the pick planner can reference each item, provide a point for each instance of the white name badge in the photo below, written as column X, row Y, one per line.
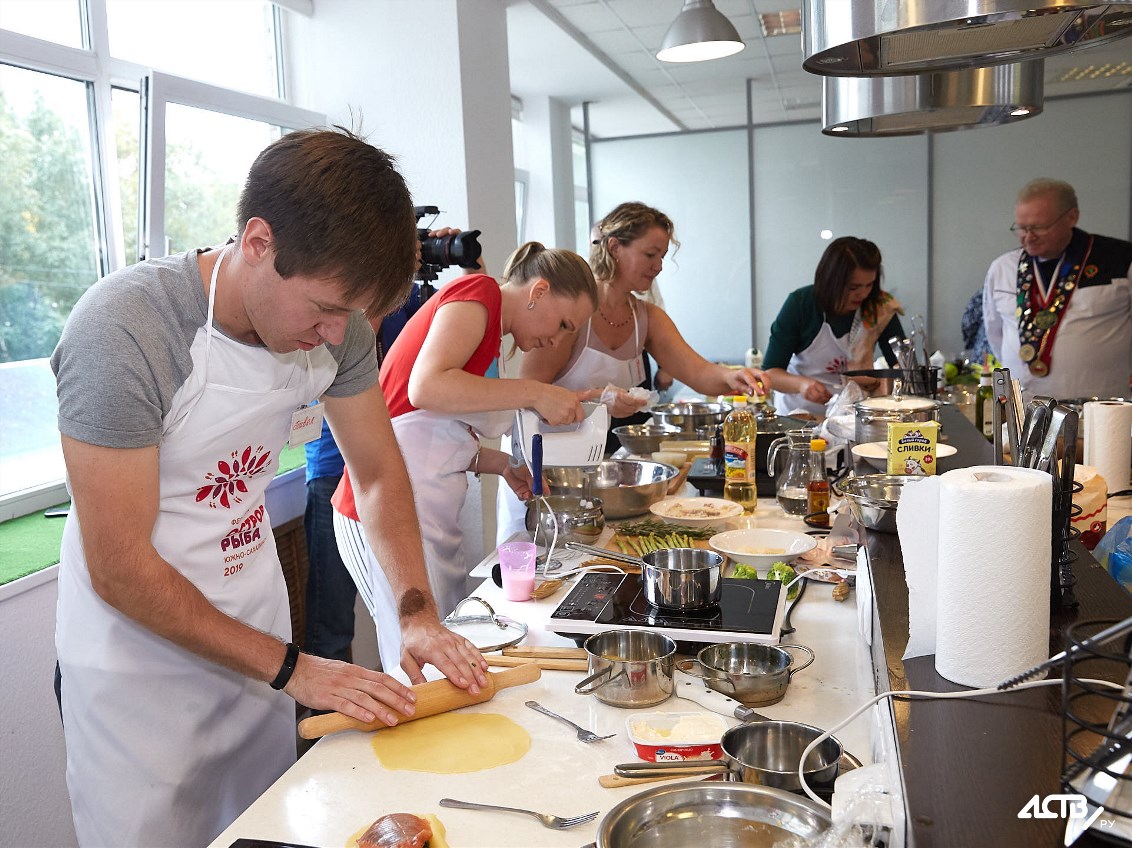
column 306, row 425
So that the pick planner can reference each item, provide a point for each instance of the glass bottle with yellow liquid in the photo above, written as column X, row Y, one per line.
column 739, row 431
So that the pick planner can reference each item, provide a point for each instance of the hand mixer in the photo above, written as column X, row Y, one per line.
column 540, row 444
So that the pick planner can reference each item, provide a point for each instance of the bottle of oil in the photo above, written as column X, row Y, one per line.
column 984, row 406
column 817, row 489
column 739, row 455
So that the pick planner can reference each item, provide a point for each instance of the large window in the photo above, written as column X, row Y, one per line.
column 107, row 161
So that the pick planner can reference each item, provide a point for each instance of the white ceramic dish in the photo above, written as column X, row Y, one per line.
column 762, row 548
column 697, row 512
column 876, row 453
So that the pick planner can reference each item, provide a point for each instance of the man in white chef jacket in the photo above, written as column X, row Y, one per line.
column 1058, row 310
column 180, row 380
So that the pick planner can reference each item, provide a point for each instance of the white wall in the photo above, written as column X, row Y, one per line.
column 699, row 181
column 35, row 809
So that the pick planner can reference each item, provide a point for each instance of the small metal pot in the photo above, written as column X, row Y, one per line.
column 873, row 415
column 683, row 578
column 576, row 523
column 629, row 668
column 874, row 498
column 762, row 752
column 756, row 675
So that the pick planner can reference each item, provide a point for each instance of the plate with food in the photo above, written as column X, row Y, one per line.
column 876, row 453
column 762, row 547
column 697, row 512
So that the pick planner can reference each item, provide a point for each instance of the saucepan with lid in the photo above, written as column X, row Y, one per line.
column 873, row 415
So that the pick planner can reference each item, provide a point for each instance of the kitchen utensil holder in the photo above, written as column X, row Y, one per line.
column 1091, row 714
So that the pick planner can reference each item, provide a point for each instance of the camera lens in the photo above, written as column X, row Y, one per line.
column 461, row 249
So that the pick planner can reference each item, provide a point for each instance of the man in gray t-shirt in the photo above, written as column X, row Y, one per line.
column 180, row 379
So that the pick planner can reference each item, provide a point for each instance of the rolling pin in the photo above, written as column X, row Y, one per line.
column 436, row 696
column 546, row 664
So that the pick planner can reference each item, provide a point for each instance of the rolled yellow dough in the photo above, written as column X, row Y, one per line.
column 451, row 743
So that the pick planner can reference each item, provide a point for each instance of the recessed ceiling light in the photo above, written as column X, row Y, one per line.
column 781, row 23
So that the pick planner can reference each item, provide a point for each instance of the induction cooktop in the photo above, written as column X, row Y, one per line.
column 748, row 611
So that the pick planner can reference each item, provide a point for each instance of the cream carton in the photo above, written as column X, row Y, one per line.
column 912, row 447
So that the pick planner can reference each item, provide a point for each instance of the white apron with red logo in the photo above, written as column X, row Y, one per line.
column 824, row 360
column 165, row 748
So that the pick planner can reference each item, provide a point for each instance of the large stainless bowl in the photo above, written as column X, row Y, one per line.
column 644, row 439
column 873, row 498
column 626, row 486
column 716, row 814
column 690, row 415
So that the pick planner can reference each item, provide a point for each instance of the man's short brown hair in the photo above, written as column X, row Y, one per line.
column 338, row 209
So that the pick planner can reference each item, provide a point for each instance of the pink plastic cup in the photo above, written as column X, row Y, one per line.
column 517, row 569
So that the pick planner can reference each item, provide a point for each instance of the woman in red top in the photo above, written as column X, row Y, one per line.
column 441, row 403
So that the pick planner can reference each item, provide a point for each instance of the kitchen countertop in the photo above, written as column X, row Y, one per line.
column 339, row 786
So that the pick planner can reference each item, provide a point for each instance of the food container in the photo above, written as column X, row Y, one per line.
column 873, row 415
column 626, row 487
column 873, row 498
column 757, row 675
column 765, row 753
column 697, row 512
column 676, row 737
column 644, row 439
column 689, row 416
column 683, row 578
column 629, row 668
column 761, row 547
column 578, row 519
column 710, row 814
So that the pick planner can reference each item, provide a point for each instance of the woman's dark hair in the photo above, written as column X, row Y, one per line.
column 844, row 256
column 338, row 209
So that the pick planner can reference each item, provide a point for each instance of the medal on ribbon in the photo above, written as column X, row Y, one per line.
column 1039, row 312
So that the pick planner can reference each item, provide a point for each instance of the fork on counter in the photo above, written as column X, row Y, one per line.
column 553, row 822
column 583, row 734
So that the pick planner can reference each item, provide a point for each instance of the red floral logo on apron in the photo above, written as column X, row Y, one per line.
column 226, row 484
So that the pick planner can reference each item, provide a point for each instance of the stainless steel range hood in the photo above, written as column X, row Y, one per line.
column 949, row 100
column 860, row 38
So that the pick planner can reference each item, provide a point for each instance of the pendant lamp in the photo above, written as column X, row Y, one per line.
column 860, row 38
column 857, row 107
column 700, row 32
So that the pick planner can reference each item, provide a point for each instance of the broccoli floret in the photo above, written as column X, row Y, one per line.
column 747, row 572
column 782, row 571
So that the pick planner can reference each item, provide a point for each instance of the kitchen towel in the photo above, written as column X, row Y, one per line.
column 1108, row 440
column 978, row 597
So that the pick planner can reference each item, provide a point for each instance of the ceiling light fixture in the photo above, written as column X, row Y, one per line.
column 880, row 37
column 700, row 32
column 857, row 107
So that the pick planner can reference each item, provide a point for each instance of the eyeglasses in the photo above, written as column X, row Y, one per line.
column 1037, row 231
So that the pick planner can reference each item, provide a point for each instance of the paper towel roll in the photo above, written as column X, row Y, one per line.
column 917, row 522
column 992, row 611
column 1108, row 440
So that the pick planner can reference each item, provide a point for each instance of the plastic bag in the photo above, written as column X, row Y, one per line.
column 1114, row 552
column 610, row 393
column 840, row 423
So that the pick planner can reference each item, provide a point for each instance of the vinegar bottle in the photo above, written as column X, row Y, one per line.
column 984, row 408
column 817, row 490
column 739, row 455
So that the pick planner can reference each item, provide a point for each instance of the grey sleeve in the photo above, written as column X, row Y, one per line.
column 356, row 357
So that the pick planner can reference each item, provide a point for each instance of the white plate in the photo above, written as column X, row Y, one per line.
column 876, row 453
column 716, row 512
column 743, row 546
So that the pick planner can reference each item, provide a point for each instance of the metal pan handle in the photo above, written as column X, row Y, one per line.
column 581, row 688
column 793, row 668
column 616, row 556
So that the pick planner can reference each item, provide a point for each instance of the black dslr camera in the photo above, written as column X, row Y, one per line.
column 461, row 249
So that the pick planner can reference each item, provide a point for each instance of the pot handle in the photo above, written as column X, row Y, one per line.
column 685, row 767
column 686, row 667
column 794, row 669
column 616, row 556
column 580, row 688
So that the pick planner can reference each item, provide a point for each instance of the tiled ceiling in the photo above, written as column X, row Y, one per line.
column 602, row 51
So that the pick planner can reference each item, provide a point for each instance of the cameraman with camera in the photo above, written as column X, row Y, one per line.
column 331, row 593
column 442, row 404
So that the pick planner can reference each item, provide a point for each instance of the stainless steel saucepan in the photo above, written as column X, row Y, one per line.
column 673, row 578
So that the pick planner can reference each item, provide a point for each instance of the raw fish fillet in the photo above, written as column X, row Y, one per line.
column 397, row 830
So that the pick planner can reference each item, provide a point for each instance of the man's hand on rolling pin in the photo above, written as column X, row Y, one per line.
column 425, row 640
column 815, row 391
column 366, row 695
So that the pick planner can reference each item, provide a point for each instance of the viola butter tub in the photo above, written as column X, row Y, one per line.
column 675, row 737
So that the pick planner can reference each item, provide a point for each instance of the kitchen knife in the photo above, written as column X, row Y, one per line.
column 434, row 697
column 692, row 688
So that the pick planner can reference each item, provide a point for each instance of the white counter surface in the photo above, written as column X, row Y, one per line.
column 339, row 786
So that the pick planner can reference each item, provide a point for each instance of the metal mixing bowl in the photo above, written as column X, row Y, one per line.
column 644, row 439
column 626, row 486
column 576, row 523
column 716, row 814
column 690, row 415
column 873, row 498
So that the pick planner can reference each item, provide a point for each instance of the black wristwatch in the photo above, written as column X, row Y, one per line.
column 290, row 660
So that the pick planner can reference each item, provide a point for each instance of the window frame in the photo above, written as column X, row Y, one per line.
column 93, row 66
